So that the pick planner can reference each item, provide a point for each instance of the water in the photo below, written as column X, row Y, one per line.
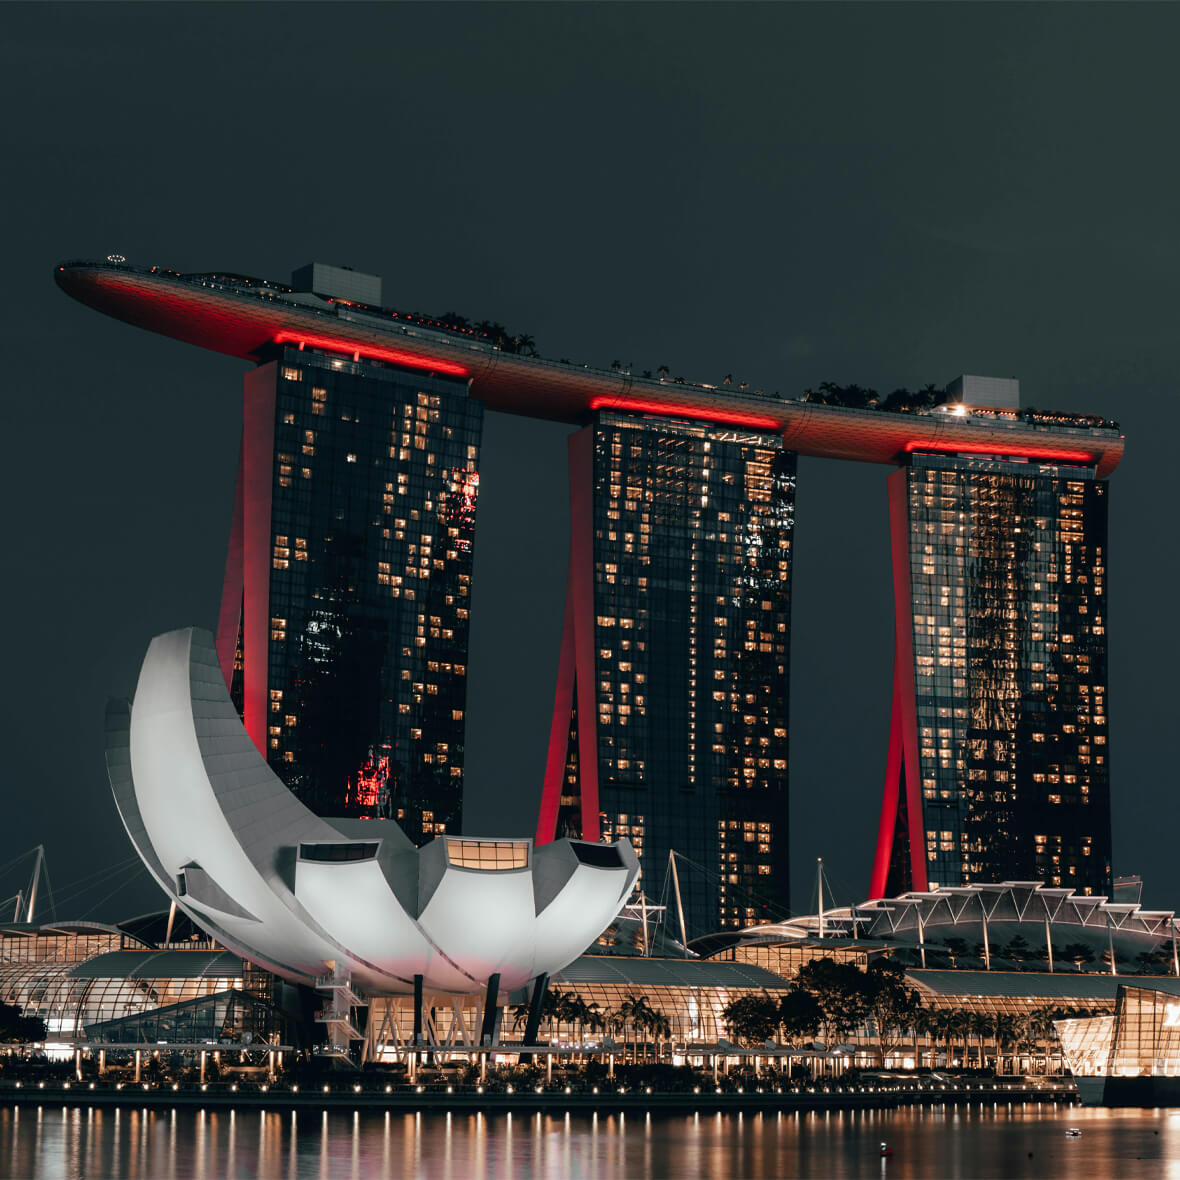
column 70, row 1141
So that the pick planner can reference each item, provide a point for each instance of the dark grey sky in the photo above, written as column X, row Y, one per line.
column 885, row 194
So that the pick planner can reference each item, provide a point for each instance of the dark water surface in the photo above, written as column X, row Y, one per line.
column 988, row 1141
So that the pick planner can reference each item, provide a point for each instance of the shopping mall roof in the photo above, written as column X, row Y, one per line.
column 160, row 965
column 633, row 971
column 1064, row 985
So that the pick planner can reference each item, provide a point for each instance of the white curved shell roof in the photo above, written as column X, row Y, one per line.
column 292, row 892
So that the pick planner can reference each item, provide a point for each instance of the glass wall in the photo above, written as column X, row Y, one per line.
column 1007, row 565
column 373, row 526
column 692, row 582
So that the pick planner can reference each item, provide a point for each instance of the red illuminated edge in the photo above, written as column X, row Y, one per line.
column 1000, row 450
column 393, row 356
column 673, row 410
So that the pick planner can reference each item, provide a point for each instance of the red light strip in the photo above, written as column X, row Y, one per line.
column 351, row 349
column 675, row 410
column 1000, row 450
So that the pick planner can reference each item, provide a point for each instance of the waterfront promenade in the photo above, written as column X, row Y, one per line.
column 357, row 1095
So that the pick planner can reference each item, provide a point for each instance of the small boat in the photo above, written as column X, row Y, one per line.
column 886, row 1150
column 1073, row 1133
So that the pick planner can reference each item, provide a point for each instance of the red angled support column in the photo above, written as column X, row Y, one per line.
column 257, row 479
column 575, row 675
column 902, row 764
column 229, row 618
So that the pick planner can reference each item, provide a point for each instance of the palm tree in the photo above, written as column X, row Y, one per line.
column 923, row 1026
column 1008, row 1032
column 520, row 1016
column 526, row 345
column 985, row 1027
column 662, row 371
column 631, row 1013
column 958, row 1027
column 661, row 1029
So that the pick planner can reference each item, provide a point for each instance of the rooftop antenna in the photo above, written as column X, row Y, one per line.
column 679, row 901
column 38, row 865
column 819, row 880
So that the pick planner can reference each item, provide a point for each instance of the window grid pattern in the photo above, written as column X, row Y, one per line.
column 488, row 855
column 1147, row 1036
column 68, row 1004
column 692, row 574
column 373, row 511
column 1008, row 585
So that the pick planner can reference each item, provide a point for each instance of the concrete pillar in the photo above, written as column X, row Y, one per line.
column 417, row 1009
column 138, row 1064
column 78, row 1064
column 532, row 1026
column 202, row 1073
column 102, row 1062
column 487, row 1030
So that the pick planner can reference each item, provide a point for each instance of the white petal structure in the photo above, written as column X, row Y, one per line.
column 304, row 896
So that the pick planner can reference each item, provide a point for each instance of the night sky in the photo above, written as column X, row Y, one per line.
column 887, row 195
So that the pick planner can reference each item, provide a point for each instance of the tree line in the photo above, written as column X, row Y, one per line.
column 834, row 1000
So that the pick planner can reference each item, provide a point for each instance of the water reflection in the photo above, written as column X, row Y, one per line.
column 977, row 1141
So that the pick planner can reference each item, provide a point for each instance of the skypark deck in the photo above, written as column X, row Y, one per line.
column 249, row 318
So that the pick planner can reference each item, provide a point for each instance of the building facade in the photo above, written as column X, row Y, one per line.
column 344, row 618
column 998, row 765
column 670, row 725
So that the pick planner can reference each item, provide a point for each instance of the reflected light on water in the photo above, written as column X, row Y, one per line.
column 980, row 1141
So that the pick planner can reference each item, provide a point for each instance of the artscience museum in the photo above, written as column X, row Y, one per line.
column 348, row 906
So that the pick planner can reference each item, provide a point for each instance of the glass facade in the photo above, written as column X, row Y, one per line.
column 224, row 1017
column 691, row 570
column 372, row 528
column 1007, row 610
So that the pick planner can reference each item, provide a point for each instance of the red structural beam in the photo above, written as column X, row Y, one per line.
column 248, row 325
